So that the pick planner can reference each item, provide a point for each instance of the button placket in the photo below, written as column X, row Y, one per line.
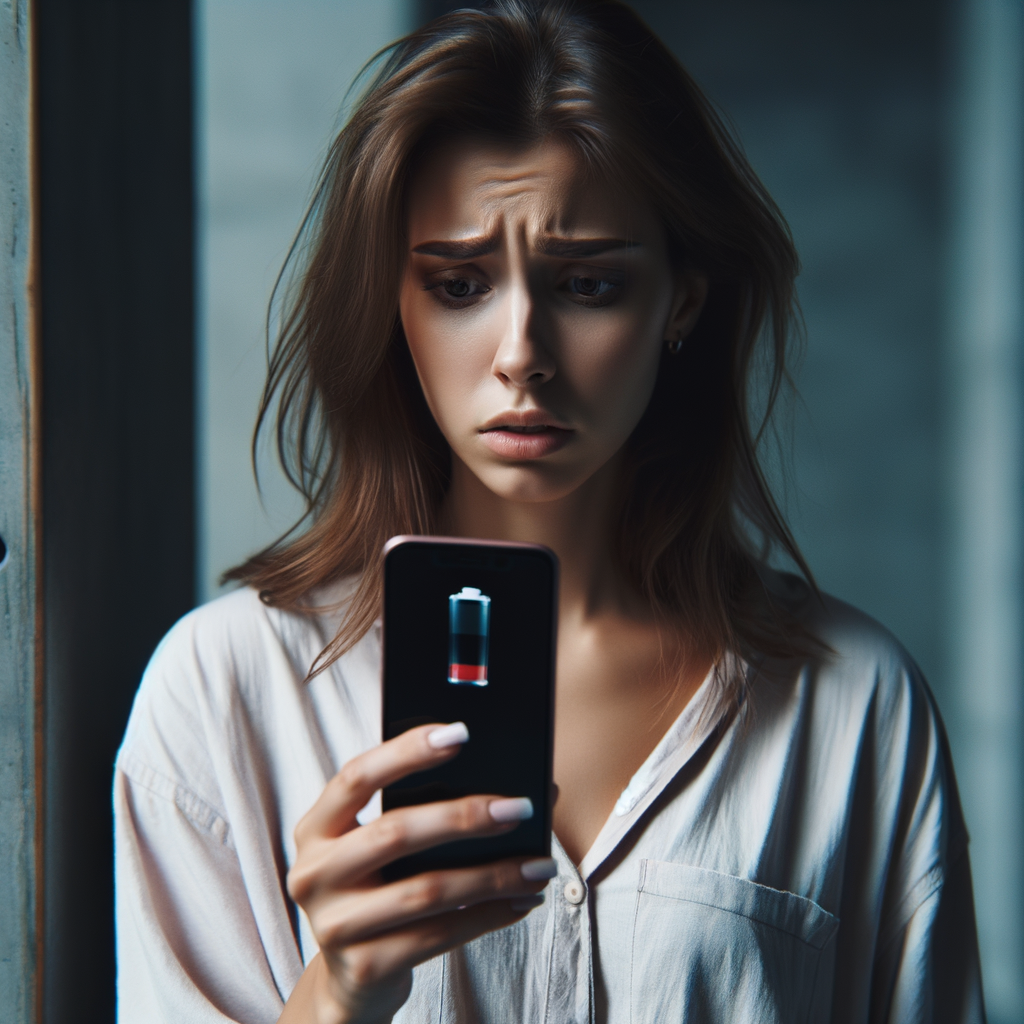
column 569, row 989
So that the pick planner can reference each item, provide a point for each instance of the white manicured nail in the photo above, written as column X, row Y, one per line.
column 539, row 870
column 527, row 902
column 448, row 735
column 517, row 808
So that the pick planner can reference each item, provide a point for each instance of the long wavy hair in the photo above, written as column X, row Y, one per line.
column 353, row 429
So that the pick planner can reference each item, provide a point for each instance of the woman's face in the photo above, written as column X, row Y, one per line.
column 536, row 303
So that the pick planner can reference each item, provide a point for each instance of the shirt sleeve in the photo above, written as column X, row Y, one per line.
column 188, row 947
column 926, row 963
column 928, row 970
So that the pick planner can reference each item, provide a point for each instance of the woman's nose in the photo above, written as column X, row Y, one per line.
column 523, row 359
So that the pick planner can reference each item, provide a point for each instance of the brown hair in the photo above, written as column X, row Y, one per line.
column 353, row 430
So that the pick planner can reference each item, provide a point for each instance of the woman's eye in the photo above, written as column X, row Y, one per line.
column 591, row 288
column 457, row 291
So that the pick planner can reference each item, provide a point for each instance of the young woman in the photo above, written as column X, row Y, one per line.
column 540, row 290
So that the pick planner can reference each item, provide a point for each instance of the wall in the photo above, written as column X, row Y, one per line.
column 271, row 78
column 984, row 339
column 839, row 107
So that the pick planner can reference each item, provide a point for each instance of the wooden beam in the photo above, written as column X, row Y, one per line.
column 20, row 625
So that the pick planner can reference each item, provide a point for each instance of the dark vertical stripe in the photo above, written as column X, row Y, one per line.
column 116, row 229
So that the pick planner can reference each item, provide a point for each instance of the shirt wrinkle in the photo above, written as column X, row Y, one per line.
column 900, row 916
column 192, row 806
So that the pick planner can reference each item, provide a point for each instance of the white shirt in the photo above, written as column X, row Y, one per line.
column 805, row 861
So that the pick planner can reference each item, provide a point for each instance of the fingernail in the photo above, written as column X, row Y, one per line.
column 448, row 735
column 517, row 808
column 527, row 902
column 539, row 870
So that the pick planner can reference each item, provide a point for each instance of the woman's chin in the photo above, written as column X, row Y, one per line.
column 533, row 484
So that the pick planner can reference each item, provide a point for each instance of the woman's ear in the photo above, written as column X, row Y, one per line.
column 691, row 289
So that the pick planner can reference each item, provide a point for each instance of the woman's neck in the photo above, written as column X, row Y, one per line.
column 577, row 527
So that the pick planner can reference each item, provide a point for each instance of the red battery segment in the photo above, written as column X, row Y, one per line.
column 469, row 630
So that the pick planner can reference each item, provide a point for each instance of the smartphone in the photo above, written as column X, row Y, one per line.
column 469, row 636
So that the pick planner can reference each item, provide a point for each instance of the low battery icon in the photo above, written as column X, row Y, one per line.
column 469, row 628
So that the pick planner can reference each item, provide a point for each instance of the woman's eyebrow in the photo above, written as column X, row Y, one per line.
column 459, row 248
column 581, row 248
column 565, row 248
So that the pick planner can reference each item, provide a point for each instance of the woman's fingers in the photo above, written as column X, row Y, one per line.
column 371, row 963
column 353, row 917
column 335, row 811
column 347, row 860
column 370, row 934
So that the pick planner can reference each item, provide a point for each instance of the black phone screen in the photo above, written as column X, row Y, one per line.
column 469, row 635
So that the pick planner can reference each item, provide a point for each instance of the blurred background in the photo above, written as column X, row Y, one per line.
column 889, row 132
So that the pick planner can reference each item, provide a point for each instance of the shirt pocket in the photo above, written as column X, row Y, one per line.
column 710, row 947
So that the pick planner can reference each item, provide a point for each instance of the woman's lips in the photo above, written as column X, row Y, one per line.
column 520, row 444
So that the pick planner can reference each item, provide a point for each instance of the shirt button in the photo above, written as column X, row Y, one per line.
column 575, row 892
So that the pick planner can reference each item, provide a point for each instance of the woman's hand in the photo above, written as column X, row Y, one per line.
column 372, row 934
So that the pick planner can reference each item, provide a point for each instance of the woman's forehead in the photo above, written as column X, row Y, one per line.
column 467, row 188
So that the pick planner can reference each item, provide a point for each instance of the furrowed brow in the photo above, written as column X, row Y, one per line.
column 458, row 249
column 581, row 248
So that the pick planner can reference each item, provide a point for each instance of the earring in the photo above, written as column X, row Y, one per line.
column 676, row 344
